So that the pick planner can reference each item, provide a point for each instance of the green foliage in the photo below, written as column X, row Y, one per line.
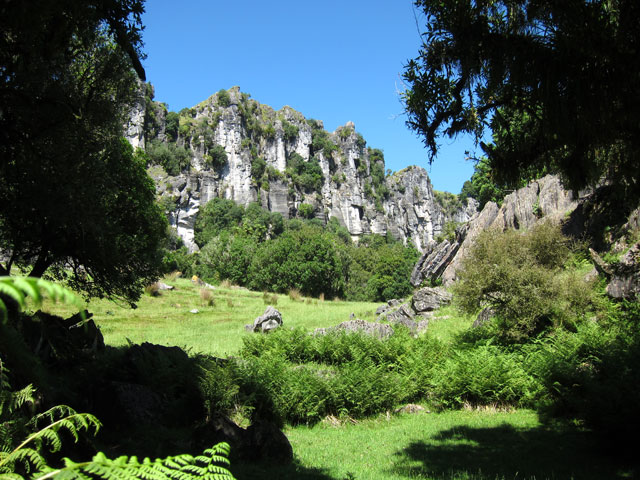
column 18, row 289
column 379, row 270
column 484, row 375
column 217, row 215
column 320, row 141
column 217, row 157
column 449, row 202
column 448, row 232
column 483, row 186
column 306, row 259
column 305, row 175
column 590, row 374
column 520, row 276
column 223, row 98
column 344, row 374
column 306, row 210
column 535, row 73
column 172, row 125
column 172, row 158
column 290, row 131
column 258, row 168
column 74, row 197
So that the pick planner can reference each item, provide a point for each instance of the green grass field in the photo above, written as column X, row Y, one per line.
column 217, row 329
column 472, row 445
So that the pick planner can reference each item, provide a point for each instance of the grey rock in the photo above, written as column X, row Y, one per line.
column 194, row 311
column 378, row 330
column 164, row 286
column 428, row 299
column 410, row 408
column 625, row 281
column 268, row 321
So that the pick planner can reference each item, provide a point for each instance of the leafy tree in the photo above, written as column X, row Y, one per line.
column 74, row 202
column 305, row 258
column 217, row 215
column 556, row 80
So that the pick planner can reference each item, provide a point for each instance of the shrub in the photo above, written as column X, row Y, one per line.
column 593, row 375
column 217, row 157
column 305, row 210
column 520, row 276
column 224, row 100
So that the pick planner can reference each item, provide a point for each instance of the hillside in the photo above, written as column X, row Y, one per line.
column 231, row 146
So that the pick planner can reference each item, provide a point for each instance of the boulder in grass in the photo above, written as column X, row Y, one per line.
column 268, row 321
column 428, row 299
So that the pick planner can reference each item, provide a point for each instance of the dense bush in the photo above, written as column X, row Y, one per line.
column 305, row 259
column 521, row 276
column 172, row 158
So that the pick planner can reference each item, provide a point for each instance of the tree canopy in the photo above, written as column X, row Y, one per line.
column 75, row 201
column 556, row 81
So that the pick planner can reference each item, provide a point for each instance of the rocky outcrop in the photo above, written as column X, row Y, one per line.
column 542, row 199
column 260, row 143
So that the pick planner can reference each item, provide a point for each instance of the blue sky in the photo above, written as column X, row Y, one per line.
column 335, row 61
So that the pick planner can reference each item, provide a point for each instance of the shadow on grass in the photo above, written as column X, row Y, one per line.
column 280, row 472
column 506, row 452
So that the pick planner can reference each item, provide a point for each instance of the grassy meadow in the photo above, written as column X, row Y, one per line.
column 218, row 327
column 464, row 444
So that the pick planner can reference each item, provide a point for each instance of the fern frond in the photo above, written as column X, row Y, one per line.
column 181, row 467
column 72, row 423
column 19, row 288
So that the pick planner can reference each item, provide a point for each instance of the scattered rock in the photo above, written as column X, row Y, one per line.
column 410, row 408
column 428, row 299
column 378, row 330
column 268, row 321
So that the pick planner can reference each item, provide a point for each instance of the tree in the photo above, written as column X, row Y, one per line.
column 556, row 80
column 75, row 202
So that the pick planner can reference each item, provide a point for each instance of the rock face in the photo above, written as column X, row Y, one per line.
column 260, row 144
column 544, row 199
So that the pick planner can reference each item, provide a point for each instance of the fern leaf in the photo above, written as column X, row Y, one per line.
column 19, row 288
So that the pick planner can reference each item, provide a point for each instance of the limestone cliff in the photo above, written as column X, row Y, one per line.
column 233, row 147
